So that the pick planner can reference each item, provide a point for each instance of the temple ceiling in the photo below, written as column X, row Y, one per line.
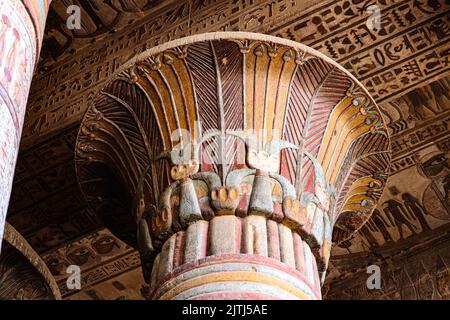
column 99, row 20
column 404, row 66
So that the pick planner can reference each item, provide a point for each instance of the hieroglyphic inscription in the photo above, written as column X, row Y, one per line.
column 99, row 255
column 104, row 272
column 432, row 132
column 399, row 55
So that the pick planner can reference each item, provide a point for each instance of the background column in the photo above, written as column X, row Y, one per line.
column 21, row 30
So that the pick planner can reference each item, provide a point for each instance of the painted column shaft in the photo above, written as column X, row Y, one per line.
column 21, row 32
column 235, row 258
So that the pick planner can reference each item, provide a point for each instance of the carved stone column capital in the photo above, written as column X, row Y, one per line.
column 247, row 151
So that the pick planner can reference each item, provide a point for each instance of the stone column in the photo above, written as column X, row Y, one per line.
column 242, row 152
column 231, row 257
column 21, row 32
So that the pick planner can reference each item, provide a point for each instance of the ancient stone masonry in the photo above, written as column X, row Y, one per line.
column 21, row 32
column 410, row 49
column 237, row 154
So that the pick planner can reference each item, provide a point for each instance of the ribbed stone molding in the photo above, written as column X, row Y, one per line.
column 21, row 32
column 239, row 152
column 15, row 239
column 231, row 258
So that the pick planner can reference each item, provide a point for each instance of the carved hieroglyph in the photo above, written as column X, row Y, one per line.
column 21, row 32
column 241, row 152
